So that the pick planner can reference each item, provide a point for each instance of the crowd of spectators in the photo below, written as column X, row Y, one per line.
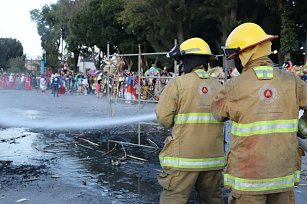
column 299, row 70
column 121, row 85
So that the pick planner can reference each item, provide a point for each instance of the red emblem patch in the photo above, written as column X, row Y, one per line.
column 204, row 90
column 268, row 93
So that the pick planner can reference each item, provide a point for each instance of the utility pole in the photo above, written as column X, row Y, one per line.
column 43, row 62
column 62, row 47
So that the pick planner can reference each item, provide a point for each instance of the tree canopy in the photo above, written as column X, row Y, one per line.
column 9, row 49
column 87, row 26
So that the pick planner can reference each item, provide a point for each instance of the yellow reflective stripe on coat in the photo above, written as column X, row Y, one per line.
column 302, row 127
column 177, row 162
column 255, row 185
column 201, row 73
column 190, row 118
column 264, row 127
column 264, row 72
column 297, row 175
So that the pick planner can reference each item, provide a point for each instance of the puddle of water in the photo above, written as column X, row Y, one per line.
column 16, row 146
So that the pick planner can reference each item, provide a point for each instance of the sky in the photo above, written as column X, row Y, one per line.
column 15, row 22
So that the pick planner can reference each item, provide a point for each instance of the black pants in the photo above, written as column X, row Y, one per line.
column 55, row 89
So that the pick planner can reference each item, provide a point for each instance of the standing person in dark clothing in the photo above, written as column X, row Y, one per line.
column 56, row 82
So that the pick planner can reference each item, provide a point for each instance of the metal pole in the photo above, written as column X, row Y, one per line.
column 108, row 50
column 132, row 144
column 62, row 65
column 175, row 62
column 108, row 81
column 142, row 54
column 139, row 93
column 108, row 96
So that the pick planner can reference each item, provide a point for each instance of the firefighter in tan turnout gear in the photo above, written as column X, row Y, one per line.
column 194, row 155
column 263, row 104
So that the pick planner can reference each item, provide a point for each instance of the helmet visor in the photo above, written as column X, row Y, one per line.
column 174, row 53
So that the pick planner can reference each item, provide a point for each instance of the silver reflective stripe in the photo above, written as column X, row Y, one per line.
column 192, row 50
column 192, row 163
column 259, row 184
column 195, row 118
column 264, row 127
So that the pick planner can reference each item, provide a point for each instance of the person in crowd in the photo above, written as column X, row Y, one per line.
column 194, row 155
column 98, row 87
column 67, row 83
column 43, row 83
column 33, row 80
column 94, row 84
column 11, row 80
column 261, row 163
column 80, row 85
column 22, row 81
column 128, row 86
column 28, row 82
column 18, row 81
column 56, row 83
column 73, row 84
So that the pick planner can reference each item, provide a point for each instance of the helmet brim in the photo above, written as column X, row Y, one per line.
column 270, row 38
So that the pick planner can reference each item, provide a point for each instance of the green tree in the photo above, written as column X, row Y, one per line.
column 288, row 34
column 48, row 28
column 52, row 25
column 96, row 25
column 17, row 64
column 9, row 48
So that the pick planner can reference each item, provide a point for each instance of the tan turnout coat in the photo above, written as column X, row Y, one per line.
column 197, row 141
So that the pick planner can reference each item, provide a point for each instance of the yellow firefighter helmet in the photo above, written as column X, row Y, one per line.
column 192, row 46
column 246, row 35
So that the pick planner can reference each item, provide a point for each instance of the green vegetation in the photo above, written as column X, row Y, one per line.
column 11, row 53
column 86, row 26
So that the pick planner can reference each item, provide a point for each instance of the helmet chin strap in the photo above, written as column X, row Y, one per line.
column 238, row 64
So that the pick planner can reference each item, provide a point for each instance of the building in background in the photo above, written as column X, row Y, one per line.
column 32, row 65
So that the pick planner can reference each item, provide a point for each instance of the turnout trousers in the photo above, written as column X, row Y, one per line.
column 273, row 198
column 178, row 186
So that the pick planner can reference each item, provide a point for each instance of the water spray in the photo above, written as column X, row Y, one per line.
column 71, row 123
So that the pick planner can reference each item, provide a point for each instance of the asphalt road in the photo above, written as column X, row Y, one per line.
column 53, row 161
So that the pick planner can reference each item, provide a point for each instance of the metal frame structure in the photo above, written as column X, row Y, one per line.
column 139, row 100
column 140, row 77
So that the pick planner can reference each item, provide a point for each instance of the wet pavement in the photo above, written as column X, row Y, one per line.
column 67, row 168
column 69, row 165
column 80, row 166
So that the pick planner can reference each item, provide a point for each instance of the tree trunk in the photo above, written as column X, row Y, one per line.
column 180, row 32
column 229, row 21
